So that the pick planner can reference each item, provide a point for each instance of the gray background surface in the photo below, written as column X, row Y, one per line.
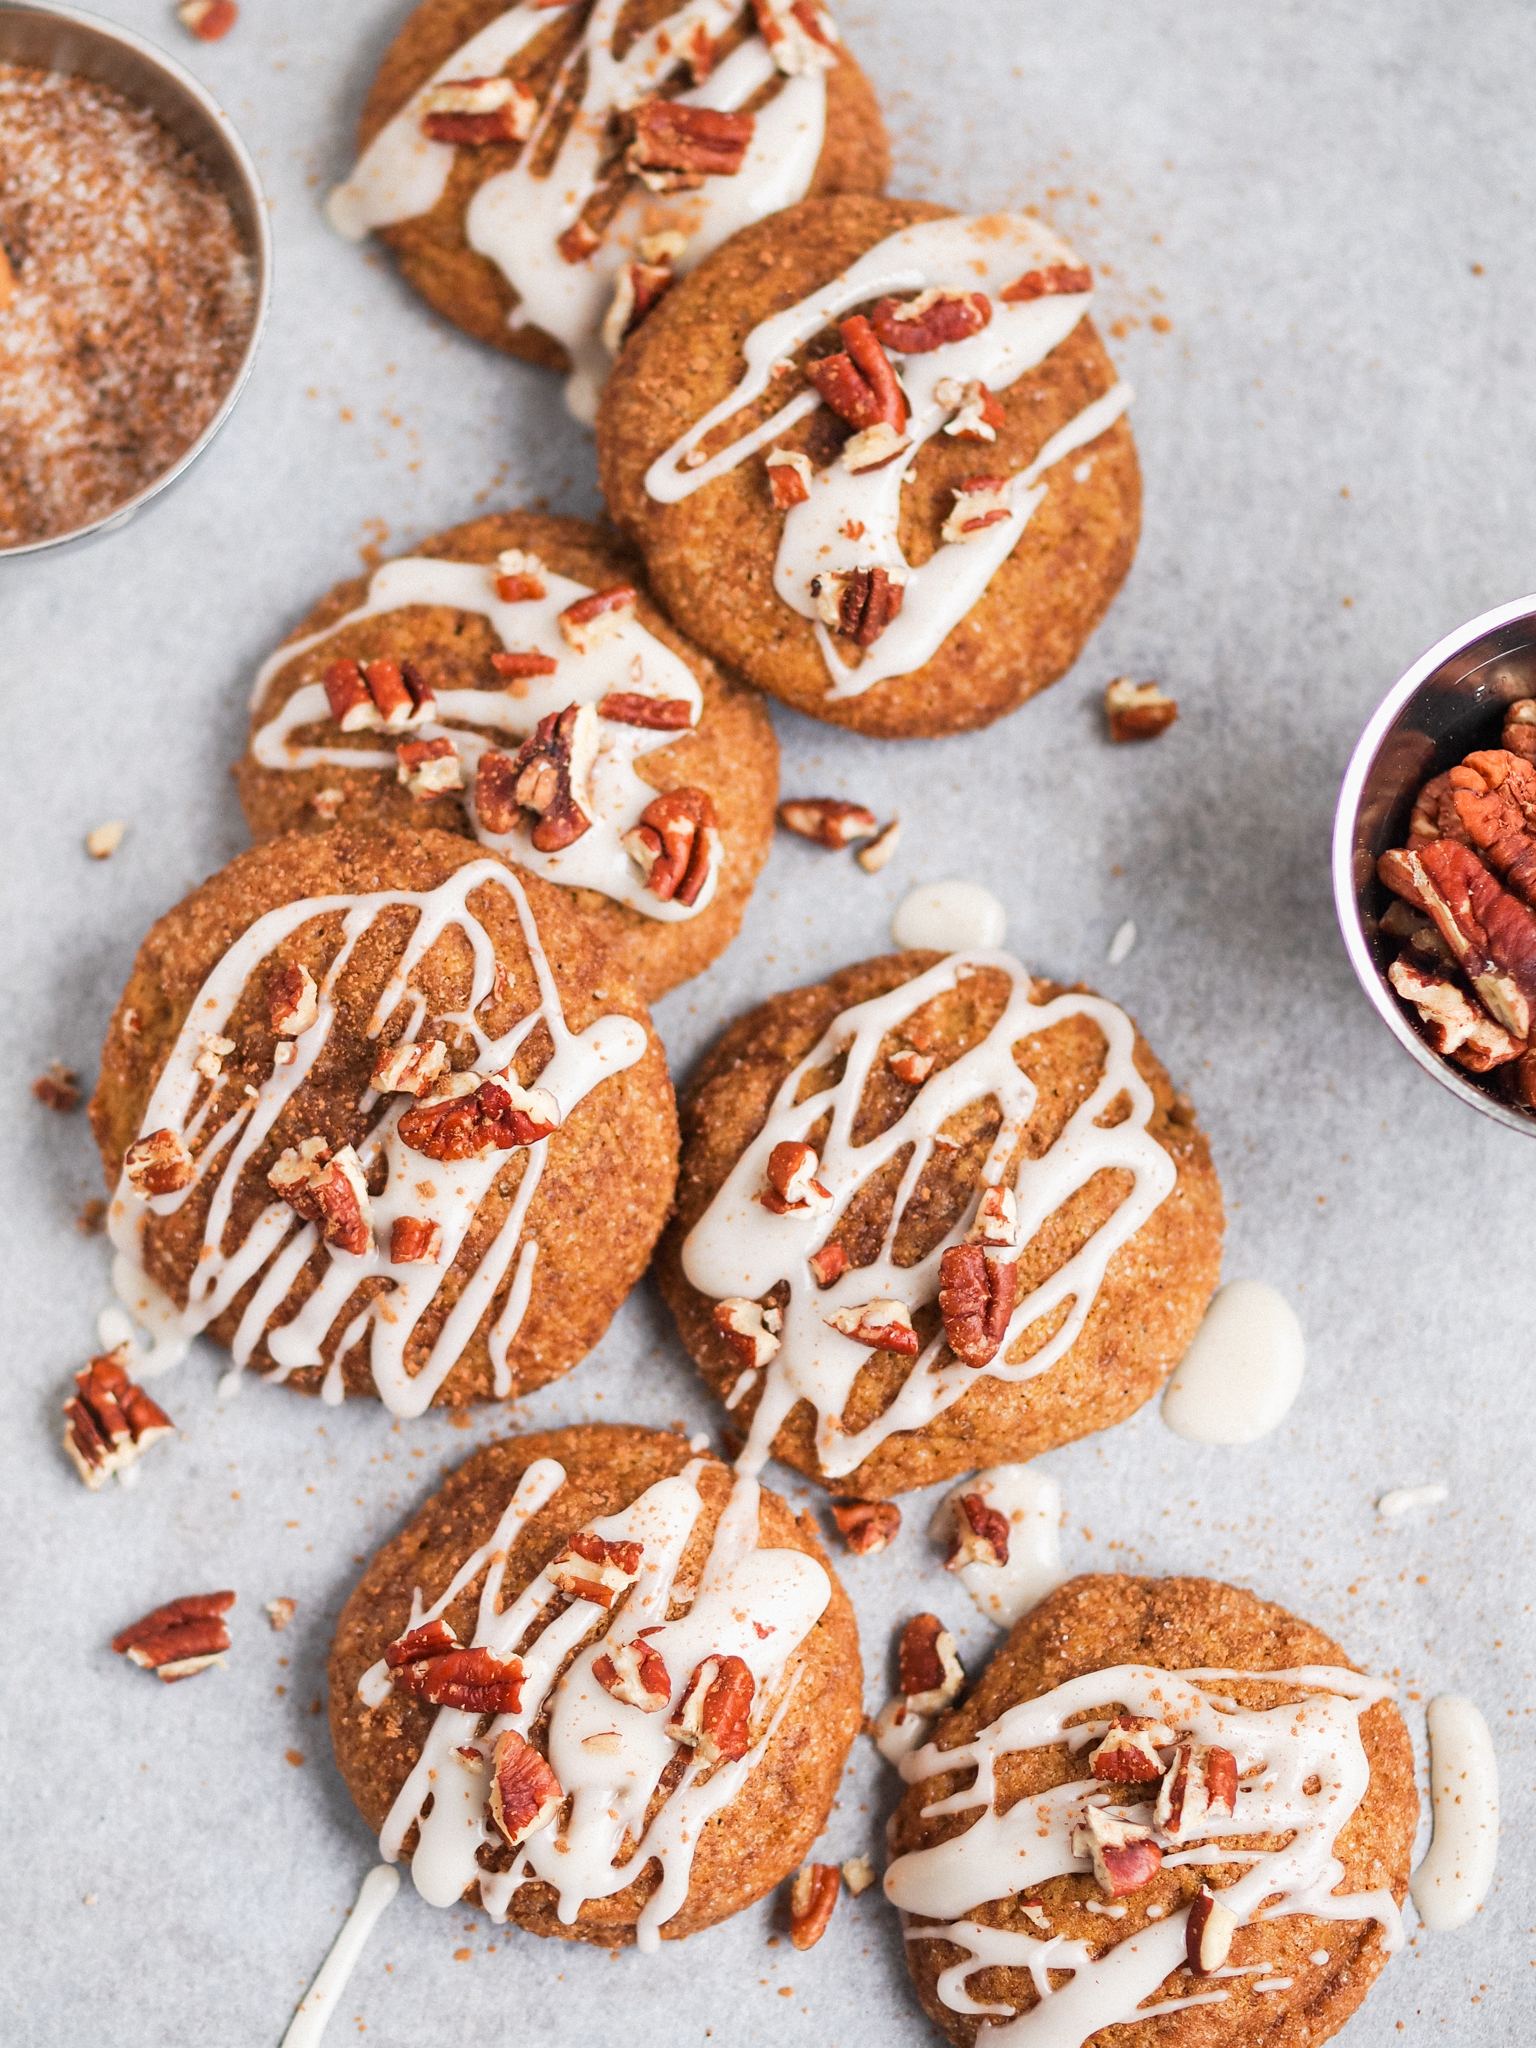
column 1331, row 206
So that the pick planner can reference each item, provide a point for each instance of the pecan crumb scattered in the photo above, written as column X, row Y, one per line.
column 105, row 840
column 59, row 1088
column 280, row 1613
column 1137, row 711
column 827, row 820
column 866, row 1526
column 872, row 858
column 811, row 1900
column 91, row 1220
column 208, row 20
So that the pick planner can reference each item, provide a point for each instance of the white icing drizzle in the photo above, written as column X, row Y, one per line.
column 1453, row 1880
column 629, row 660
column 738, row 1247
column 1402, row 1500
column 308, row 2023
column 516, row 218
column 278, row 1245
column 1278, row 1751
column 1237, row 1380
column 1031, row 1501
column 742, row 1590
column 986, row 253
column 947, row 915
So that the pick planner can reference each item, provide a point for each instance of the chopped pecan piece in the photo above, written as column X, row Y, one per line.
column 1054, row 280
column 182, row 1637
column 675, row 844
column 1128, row 1754
column 1494, row 794
column 59, row 1088
column 636, row 1674
column 639, row 291
column 411, row 1067
column 325, row 803
column 829, row 1264
column 553, row 770
column 428, row 768
column 525, row 1794
column 415, row 1242
column 476, row 1681
column 812, row 1897
column 1455, row 1026
column 873, row 448
column 859, row 603
column 1137, row 711
column 293, row 1000
column 111, row 1422
column 929, row 1672
column 866, row 1526
column 517, row 665
column 209, row 20
column 981, row 1534
column 980, row 502
column 104, row 840
column 882, row 1325
column 1492, row 933
column 676, row 146
column 591, row 1568
column 651, row 714
column 432, row 1639
column 474, row 111
column 912, row 327
column 978, row 412
column 592, row 620
column 328, row 1190
column 827, row 820
column 519, row 578
column 789, row 477
column 859, row 383
column 911, row 1067
column 212, row 1050
column 1200, row 1784
column 858, row 1875
column 497, row 809
column 158, row 1164
column 280, row 1612
column 976, row 1300
column 1208, row 1933
column 714, row 1715
column 492, row 1115
column 997, row 1218
column 1124, row 1856
column 792, row 1182
column 799, row 33
column 741, row 1323
column 873, row 857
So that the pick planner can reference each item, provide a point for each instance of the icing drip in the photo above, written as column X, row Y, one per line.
column 1279, row 1752
column 278, row 1246
column 629, row 660
column 1453, row 1880
column 1032, row 1504
column 1237, row 1380
column 609, row 1757
column 308, row 2023
column 516, row 218
column 740, row 1248
column 985, row 254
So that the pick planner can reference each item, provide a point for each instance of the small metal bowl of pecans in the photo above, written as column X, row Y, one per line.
column 1434, row 862
column 135, row 268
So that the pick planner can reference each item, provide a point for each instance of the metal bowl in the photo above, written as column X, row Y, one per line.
column 64, row 39
column 1449, row 703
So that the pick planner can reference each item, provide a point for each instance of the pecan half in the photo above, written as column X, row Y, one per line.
column 471, row 112
column 591, row 1568
column 976, row 1300
column 1455, row 1026
column 1128, row 1754
column 476, row 1681
column 827, row 820
column 651, row 714
column 676, row 147
column 639, row 291
column 415, row 1242
column 411, row 1067
column 913, row 327
column 158, row 1164
column 636, row 1674
column 519, row 577
column 859, row 383
column 980, row 502
column 789, row 477
column 58, row 1089
column 1208, row 1932
column 1123, row 1855
column 882, row 1325
column 978, row 412
column 525, row 1795
column 293, row 1000
column 599, row 617
column 1137, row 711
column 110, row 1421
column 326, row 1189
column 492, row 1115
column 981, row 1534
column 858, row 603
column 799, row 33
column 741, row 1323
column 866, row 1526
column 1491, row 933
column 928, row 1671
column 674, row 844
column 812, row 1897
column 1494, row 794
column 553, row 770
column 1200, row 1784
column 792, row 1182
column 713, row 1717
column 179, row 1639
column 1053, row 280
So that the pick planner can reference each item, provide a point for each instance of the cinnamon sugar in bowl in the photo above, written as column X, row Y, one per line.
column 134, row 269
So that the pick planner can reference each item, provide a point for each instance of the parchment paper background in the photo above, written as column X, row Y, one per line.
column 1332, row 208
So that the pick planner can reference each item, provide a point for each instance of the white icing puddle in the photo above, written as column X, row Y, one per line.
column 1402, row 1500
column 1032, row 1503
column 308, row 2023
column 1237, row 1381
column 947, row 916
column 1453, row 1880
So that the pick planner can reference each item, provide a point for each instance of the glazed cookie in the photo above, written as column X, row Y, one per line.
column 380, row 1112
column 665, row 1743
column 543, row 173
column 512, row 680
column 875, row 457
column 933, row 1215
column 1124, row 1721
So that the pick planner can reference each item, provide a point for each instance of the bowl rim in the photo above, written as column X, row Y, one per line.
column 157, row 59
column 1346, row 816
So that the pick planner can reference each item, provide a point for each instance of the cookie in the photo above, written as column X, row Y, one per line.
column 472, row 660
column 896, row 439
column 933, row 1215
column 544, row 175
column 686, row 1680
column 380, row 1112
column 1198, row 1714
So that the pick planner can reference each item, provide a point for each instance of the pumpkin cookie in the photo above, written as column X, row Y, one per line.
column 381, row 1113
column 933, row 1215
column 896, row 441
column 1123, row 1723
column 512, row 680
column 597, row 1689
column 543, row 175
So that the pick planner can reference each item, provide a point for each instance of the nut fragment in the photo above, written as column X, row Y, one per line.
column 182, row 1637
column 636, row 1674
column 280, row 1613
column 929, row 1672
column 1123, row 1855
column 1208, row 1933
column 978, row 412
column 913, row 327
column 105, row 840
column 1519, row 734
column 792, row 1182
column 812, row 1897
column 1494, row 794
column 209, row 20
column 552, row 776
column 871, row 449
column 858, row 1875
column 873, row 857
column 675, row 844
column 713, row 1717
column 858, row 382
column 293, row 1000
column 59, row 1088
column 981, row 1534
column 827, row 820
column 1201, row 1782
column 1455, row 1026
column 474, row 111
column 639, row 291
column 591, row 1568
column 800, row 33
column 325, row 803
column 789, row 477
column 430, row 1640
column 859, row 603
column 525, row 1795
column 882, row 1325
column 467, row 1121
column 328, row 1190
column 413, row 1241
column 1137, row 711
column 866, row 1526
column 411, row 1067
column 1054, row 279
column 897, row 1730
column 158, row 1164
column 428, row 768
column 1128, row 1754
column 1491, row 933
column 976, row 1300
column 980, row 502
column 212, row 1051
column 676, row 146
column 740, row 1322
column 519, row 576
column 111, row 1422
column 652, row 714
column 829, row 1264
column 911, row 1067
column 475, row 1680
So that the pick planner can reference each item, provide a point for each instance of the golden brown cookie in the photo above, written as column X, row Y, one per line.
column 381, row 1113
column 1333, row 1778
column 566, row 215
column 716, row 1834
column 911, row 1084
column 729, row 753
column 714, row 554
